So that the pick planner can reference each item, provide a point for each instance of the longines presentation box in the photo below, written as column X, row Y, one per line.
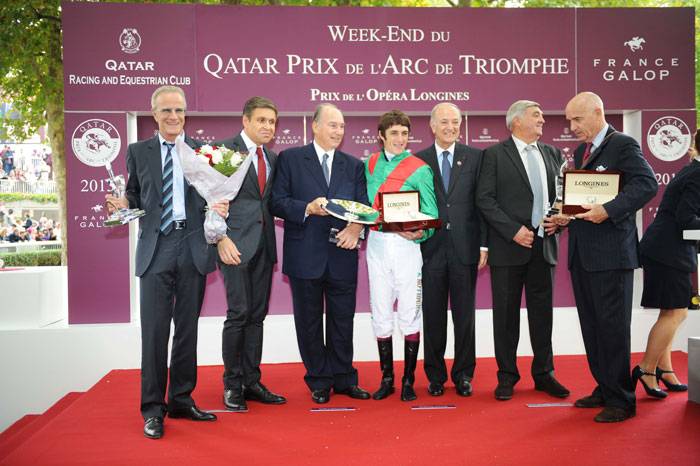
column 400, row 211
column 588, row 187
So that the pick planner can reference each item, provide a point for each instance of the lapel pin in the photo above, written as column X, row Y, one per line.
column 601, row 168
column 459, row 162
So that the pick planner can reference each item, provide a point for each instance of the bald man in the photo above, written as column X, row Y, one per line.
column 453, row 255
column 603, row 255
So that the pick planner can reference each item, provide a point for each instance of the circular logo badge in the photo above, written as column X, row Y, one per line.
column 96, row 142
column 130, row 40
column 669, row 138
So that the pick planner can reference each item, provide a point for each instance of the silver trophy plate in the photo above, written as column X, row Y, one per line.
column 121, row 216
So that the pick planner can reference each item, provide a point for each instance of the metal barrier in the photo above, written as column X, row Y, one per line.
column 26, row 246
column 19, row 186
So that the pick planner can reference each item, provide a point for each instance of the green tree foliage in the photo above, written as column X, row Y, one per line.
column 31, row 78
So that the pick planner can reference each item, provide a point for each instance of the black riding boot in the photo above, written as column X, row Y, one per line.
column 410, row 360
column 386, row 363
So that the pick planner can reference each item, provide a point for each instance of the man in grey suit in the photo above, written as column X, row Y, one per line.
column 248, row 254
column 172, row 260
column 453, row 254
column 603, row 253
column 515, row 188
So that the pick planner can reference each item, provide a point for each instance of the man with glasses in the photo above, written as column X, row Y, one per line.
column 172, row 260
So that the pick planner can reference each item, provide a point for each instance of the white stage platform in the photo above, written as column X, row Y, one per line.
column 40, row 365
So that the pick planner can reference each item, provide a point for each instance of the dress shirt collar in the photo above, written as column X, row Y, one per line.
column 249, row 144
column 161, row 139
column 320, row 152
column 521, row 145
column 439, row 150
column 598, row 139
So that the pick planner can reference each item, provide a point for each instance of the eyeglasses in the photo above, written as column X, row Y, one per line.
column 168, row 111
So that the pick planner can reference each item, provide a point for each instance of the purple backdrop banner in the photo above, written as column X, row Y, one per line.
column 367, row 61
column 370, row 59
column 98, row 257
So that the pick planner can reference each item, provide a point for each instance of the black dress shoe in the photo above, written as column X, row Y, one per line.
column 153, row 427
column 436, row 389
column 259, row 392
column 464, row 387
column 552, row 387
column 353, row 391
column 590, row 401
column 234, row 400
column 613, row 414
column 192, row 413
column 503, row 392
column 321, row 396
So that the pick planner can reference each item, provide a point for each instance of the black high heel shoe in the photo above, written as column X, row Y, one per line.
column 671, row 387
column 637, row 374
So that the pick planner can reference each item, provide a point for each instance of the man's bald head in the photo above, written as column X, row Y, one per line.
column 586, row 115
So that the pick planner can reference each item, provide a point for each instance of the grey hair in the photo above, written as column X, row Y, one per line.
column 517, row 110
column 320, row 108
column 164, row 89
column 449, row 104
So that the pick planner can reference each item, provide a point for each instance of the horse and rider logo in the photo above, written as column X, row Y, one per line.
column 96, row 142
column 669, row 138
column 635, row 43
column 130, row 40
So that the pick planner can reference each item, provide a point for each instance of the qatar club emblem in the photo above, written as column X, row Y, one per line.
column 96, row 142
column 669, row 138
column 130, row 40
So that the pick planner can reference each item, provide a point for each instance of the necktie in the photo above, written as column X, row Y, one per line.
column 533, row 173
column 587, row 152
column 446, row 168
column 326, row 171
column 262, row 169
column 166, row 217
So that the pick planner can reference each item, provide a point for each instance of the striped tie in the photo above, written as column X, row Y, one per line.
column 166, row 218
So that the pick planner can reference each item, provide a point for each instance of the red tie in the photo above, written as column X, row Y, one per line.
column 262, row 169
column 587, row 152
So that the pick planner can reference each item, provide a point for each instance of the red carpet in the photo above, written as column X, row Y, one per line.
column 103, row 426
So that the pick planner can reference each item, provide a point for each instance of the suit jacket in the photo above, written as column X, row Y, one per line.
column 144, row 190
column 505, row 198
column 250, row 220
column 613, row 244
column 299, row 180
column 461, row 221
column 679, row 210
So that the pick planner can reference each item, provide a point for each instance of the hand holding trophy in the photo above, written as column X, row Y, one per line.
column 117, row 205
column 555, row 211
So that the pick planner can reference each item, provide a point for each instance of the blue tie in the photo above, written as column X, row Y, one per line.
column 166, row 218
column 533, row 172
column 446, row 168
column 326, row 171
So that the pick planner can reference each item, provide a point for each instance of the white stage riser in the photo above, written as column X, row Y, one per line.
column 47, row 363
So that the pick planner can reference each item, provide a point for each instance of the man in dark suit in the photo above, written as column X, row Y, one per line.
column 515, row 187
column 320, row 271
column 248, row 254
column 603, row 253
column 453, row 254
column 172, row 260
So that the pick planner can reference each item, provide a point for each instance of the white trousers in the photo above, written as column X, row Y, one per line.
column 394, row 265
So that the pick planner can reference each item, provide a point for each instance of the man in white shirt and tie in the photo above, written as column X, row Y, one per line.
column 516, row 187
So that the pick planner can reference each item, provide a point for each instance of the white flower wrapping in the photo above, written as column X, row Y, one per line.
column 211, row 185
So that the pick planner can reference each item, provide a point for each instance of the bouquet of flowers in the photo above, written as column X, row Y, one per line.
column 217, row 173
